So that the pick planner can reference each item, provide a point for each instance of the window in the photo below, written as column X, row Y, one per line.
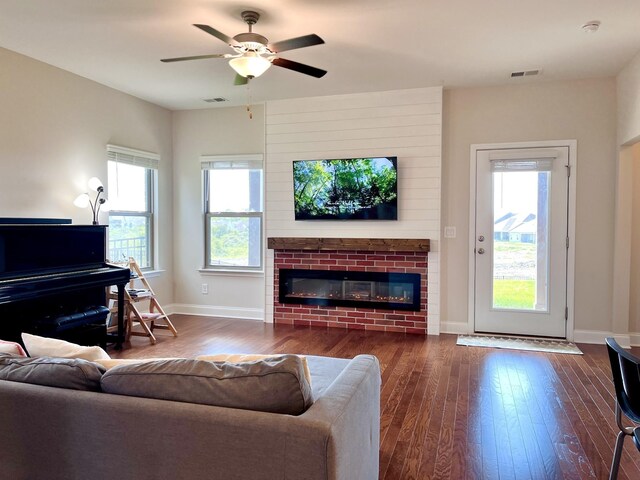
column 233, row 211
column 131, row 187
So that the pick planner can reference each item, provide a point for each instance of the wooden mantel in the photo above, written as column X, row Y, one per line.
column 365, row 244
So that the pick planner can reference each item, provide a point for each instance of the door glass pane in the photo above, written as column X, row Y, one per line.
column 521, row 240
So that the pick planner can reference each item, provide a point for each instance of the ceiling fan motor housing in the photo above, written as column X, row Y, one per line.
column 252, row 42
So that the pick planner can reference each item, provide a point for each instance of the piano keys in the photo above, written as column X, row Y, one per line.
column 53, row 279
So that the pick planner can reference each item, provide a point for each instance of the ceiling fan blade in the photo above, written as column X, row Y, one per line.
column 299, row 67
column 196, row 57
column 212, row 31
column 240, row 80
column 298, row 42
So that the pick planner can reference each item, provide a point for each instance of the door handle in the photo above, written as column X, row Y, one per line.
column 481, row 251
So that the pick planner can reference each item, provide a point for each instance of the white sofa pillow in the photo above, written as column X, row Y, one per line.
column 52, row 347
column 13, row 348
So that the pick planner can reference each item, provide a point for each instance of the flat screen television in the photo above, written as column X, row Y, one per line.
column 346, row 189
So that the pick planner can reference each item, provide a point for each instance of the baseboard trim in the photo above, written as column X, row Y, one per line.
column 214, row 311
column 598, row 336
column 454, row 327
column 632, row 339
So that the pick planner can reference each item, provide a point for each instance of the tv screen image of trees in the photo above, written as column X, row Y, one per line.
column 355, row 188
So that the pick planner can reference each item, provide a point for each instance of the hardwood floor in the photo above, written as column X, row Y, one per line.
column 450, row 412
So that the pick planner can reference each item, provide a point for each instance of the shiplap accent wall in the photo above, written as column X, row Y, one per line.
column 402, row 123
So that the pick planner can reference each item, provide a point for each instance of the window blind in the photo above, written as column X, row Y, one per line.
column 228, row 162
column 538, row 160
column 130, row 156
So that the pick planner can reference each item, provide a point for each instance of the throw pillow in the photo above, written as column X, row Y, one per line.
column 276, row 384
column 250, row 357
column 71, row 373
column 13, row 348
column 52, row 347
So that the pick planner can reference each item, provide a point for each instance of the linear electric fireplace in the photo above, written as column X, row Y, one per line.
column 380, row 290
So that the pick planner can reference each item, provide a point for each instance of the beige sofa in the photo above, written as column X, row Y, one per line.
column 53, row 433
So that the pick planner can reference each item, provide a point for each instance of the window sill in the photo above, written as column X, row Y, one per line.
column 231, row 273
column 152, row 273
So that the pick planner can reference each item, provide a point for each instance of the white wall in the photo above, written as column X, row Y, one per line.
column 634, row 284
column 54, row 129
column 627, row 240
column 210, row 132
column 628, row 85
column 406, row 124
column 584, row 110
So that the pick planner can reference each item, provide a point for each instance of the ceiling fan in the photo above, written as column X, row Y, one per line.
column 254, row 54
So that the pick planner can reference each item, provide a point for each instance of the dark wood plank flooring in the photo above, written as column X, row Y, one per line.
column 450, row 412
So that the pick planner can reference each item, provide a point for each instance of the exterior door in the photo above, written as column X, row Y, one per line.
column 521, row 241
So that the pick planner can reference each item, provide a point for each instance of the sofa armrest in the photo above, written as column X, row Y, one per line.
column 349, row 414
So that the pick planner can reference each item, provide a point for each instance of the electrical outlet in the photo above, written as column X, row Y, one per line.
column 205, row 288
column 449, row 232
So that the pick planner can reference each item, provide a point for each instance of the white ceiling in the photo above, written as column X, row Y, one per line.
column 371, row 45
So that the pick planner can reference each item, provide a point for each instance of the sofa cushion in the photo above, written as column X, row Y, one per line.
column 52, row 347
column 109, row 363
column 12, row 347
column 71, row 373
column 250, row 357
column 276, row 384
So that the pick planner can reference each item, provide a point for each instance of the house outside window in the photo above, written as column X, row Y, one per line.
column 132, row 177
column 233, row 207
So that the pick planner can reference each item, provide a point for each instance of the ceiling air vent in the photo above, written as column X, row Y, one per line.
column 215, row 100
column 525, row 73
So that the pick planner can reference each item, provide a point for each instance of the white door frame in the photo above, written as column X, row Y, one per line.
column 573, row 157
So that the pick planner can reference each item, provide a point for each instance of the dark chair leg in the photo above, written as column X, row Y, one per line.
column 636, row 437
column 617, row 453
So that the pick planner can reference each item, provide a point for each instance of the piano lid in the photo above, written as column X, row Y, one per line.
column 25, row 220
column 39, row 249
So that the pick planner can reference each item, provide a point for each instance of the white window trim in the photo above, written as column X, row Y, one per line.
column 151, row 161
column 208, row 162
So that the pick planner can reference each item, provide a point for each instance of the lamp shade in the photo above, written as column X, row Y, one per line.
column 82, row 201
column 250, row 65
column 94, row 184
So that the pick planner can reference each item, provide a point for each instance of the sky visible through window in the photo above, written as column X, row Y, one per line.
column 229, row 191
column 515, row 192
column 127, row 187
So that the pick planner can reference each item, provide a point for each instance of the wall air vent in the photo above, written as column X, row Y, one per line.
column 526, row 73
column 215, row 100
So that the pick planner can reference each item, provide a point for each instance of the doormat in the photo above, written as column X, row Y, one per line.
column 519, row 343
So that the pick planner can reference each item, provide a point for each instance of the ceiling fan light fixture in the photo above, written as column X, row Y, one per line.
column 250, row 65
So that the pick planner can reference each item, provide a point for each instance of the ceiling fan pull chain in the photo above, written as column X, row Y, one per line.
column 249, row 102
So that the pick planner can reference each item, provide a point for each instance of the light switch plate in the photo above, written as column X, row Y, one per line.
column 449, row 232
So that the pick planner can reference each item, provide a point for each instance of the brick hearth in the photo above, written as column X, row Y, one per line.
column 349, row 317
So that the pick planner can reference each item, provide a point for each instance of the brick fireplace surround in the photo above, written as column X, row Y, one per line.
column 370, row 255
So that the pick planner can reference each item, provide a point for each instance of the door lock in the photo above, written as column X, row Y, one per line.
column 481, row 238
column 481, row 251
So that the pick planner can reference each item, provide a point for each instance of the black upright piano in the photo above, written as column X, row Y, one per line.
column 53, row 280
